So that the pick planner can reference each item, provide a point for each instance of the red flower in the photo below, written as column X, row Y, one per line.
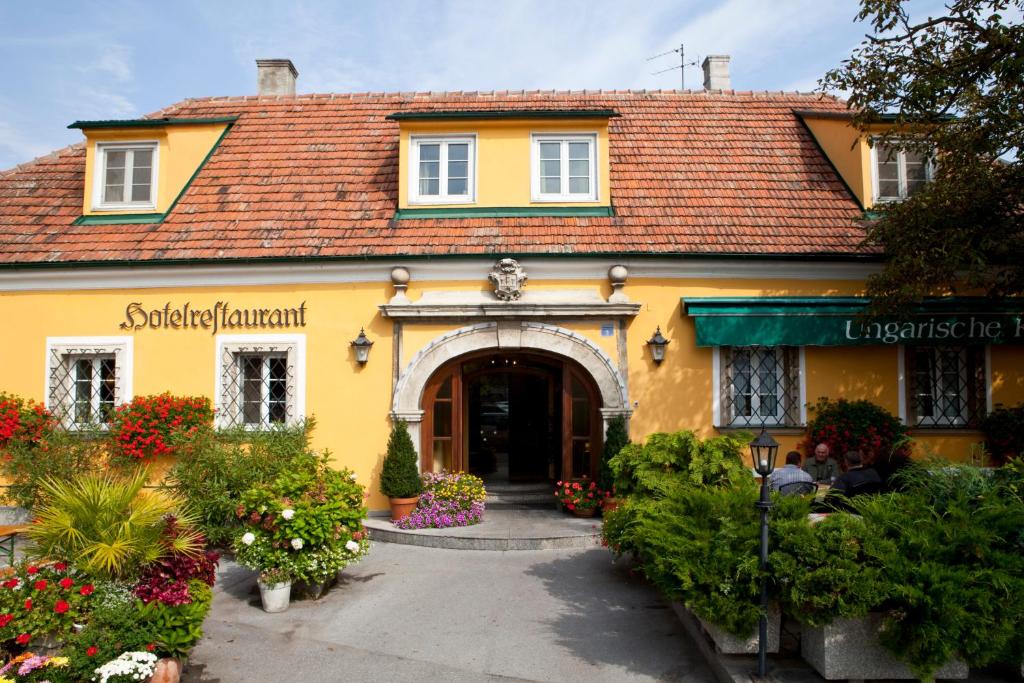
column 66, row 583
column 41, row 585
column 11, row 583
column 87, row 589
column 151, row 647
column 91, row 651
column 60, row 566
column 6, row 619
column 23, row 639
column 28, row 604
column 33, row 569
column 61, row 607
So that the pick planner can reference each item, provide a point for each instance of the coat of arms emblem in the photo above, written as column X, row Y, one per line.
column 508, row 278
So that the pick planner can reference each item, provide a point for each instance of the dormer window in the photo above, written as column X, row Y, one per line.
column 125, row 176
column 443, row 170
column 564, row 168
column 899, row 173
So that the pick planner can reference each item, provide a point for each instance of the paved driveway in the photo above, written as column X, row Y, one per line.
column 407, row 613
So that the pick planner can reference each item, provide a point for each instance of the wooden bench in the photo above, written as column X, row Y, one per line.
column 8, row 535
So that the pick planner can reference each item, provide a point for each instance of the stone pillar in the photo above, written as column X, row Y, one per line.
column 413, row 418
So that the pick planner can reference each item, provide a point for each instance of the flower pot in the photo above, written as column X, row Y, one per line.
column 589, row 512
column 402, row 507
column 168, row 670
column 849, row 649
column 275, row 596
column 314, row 590
column 727, row 643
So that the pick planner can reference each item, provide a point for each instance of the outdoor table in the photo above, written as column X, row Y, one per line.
column 8, row 534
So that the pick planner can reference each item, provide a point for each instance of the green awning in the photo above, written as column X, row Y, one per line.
column 838, row 321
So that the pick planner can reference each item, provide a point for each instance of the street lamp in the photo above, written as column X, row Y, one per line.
column 763, row 450
column 362, row 346
column 657, row 344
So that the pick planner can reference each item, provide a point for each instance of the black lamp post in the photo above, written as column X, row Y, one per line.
column 763, row 450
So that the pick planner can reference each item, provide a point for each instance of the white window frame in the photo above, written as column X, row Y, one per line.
column 71, row 349
column 730, row 422
column 414, row 169
column 933, row 422
column 565, row 196
column 240, row 344
column 100, row 175
column 901, row 172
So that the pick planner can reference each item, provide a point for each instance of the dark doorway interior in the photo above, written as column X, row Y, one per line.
column 513, row 418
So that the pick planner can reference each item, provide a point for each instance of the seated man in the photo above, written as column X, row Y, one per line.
column 857, row 479
column 790, row 474
column 821, row 467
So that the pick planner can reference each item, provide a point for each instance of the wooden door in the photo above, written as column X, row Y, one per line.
column 441, row 439
column 581, row 425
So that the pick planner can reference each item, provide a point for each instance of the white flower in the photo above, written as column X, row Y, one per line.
column 288, row 513
column 248, row 538
column 352, row 476
column 297, row 543
column 352, row 547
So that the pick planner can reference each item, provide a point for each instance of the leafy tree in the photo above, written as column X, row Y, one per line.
column 399, row 477
column 950, row 85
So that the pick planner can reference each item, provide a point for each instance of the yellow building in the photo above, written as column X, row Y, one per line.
column 510, row 255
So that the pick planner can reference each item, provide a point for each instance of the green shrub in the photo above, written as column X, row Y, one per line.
column 399, row 476
column 213, row 469
column 1004, row 433
column 40, row 600
column 175, row 629
column 306, row 523
column 615, row 439
column 106, row 525
column 59, row 456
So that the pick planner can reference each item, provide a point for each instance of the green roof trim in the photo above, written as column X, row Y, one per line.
column 136, row 218
column 119, row 219
column 484, row 114
column 506, row 212
column 150, row 123
column 840, row 321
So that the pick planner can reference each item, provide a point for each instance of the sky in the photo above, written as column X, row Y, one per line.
column 65, row 61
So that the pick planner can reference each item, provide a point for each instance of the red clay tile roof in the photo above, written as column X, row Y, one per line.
column 317, row 176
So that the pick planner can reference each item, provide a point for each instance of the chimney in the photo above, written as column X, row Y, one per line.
column 275, row 76
column 716, row 72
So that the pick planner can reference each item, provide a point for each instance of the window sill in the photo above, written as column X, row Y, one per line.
column 784, row 431
column 119, row 219
column 504, row 212
column 946, row 431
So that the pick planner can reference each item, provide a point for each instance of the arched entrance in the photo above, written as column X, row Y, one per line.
column 433, row 364
column 512, row 417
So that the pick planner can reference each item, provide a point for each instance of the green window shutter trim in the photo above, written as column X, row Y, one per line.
column 506, row 212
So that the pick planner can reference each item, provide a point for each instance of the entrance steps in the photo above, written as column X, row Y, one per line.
column 499, row 530
column 507, row 496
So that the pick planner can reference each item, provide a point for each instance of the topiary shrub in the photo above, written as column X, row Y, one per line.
column 858, row 426
column 400, row 477
column 1004, row 433
column 615, row 439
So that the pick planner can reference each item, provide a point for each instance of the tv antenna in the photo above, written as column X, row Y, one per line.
column 681, row 51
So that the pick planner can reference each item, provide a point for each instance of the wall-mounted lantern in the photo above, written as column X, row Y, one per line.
column 362, row 346
column 657, row 344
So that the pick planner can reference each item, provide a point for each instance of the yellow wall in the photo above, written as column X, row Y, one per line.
column 503, row 158
column 849, row 153
column 181, row 149
column 351, row 402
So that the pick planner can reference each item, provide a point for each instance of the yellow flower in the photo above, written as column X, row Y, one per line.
column 57, row 661
column 6, row 680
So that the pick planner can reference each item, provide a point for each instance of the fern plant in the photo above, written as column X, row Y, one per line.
column 108, row 526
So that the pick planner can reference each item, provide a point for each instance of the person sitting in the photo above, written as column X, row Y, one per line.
column 821, row 467
column 857, row 479
column 786, row 479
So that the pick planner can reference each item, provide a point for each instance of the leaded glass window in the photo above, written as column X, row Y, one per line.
column 946, row 385
column 760, row 385
column 257, row 385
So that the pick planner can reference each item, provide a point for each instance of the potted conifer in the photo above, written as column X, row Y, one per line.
column 615, row 439
column 400, row 477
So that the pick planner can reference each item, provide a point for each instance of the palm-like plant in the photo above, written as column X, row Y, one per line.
column 108, row 526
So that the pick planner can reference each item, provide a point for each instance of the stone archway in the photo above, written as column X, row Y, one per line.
column 506, row 336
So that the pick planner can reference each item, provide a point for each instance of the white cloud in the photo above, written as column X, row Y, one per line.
column 113, row 63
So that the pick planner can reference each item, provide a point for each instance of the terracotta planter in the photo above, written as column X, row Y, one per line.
column 167, row 670
column 589, row 512
column 402, row 507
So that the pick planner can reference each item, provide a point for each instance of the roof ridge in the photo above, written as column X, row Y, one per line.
column 490, row 94
column 55, row 154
